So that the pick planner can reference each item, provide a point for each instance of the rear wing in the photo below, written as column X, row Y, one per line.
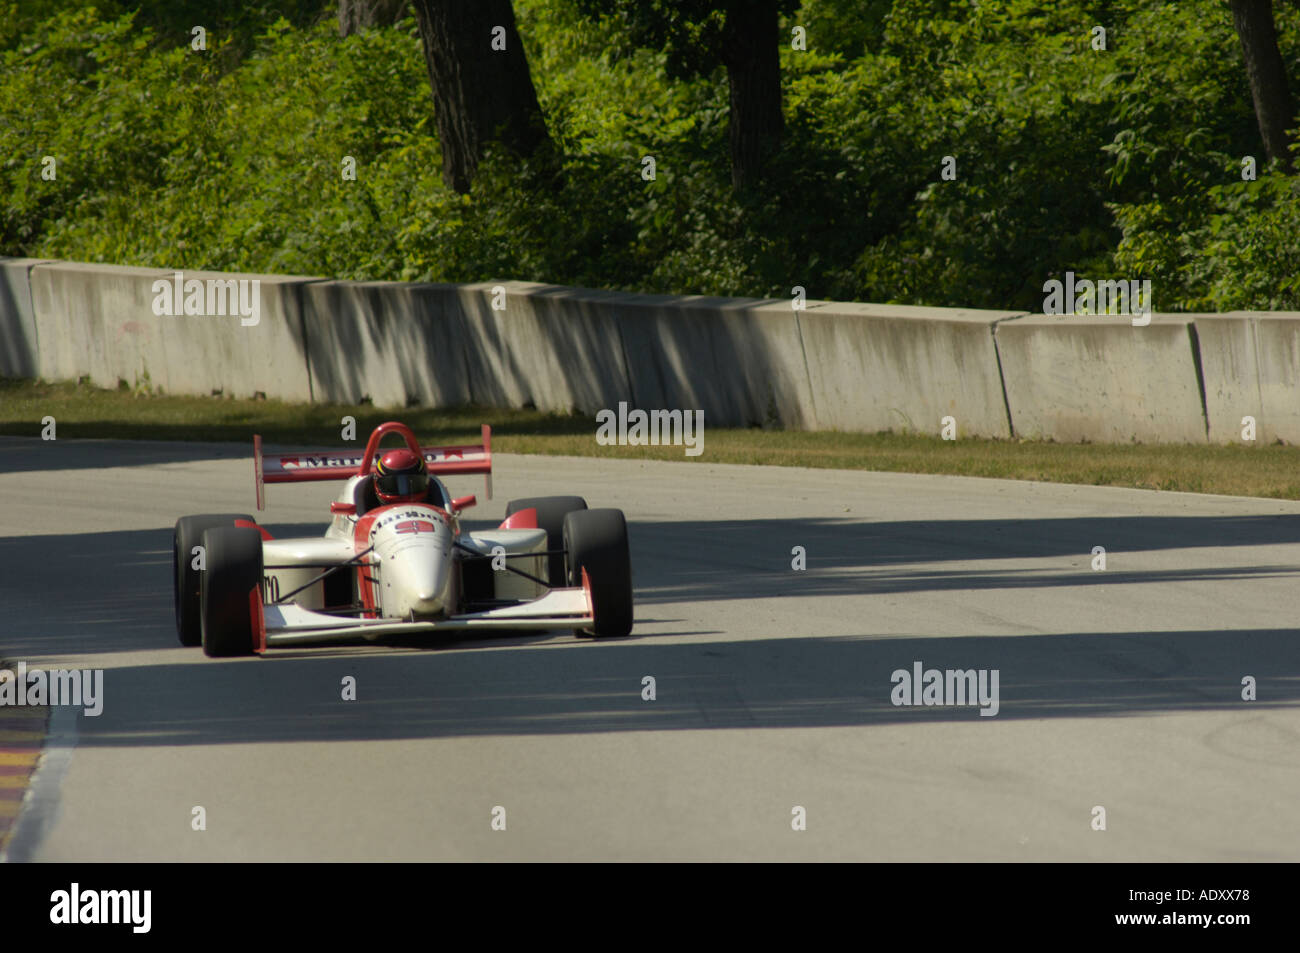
column 340, row 465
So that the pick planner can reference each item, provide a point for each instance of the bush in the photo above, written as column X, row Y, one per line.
column 1123, row 162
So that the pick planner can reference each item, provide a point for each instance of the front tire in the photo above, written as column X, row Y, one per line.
column 185, row 578
column 596, row 540
column 551, row 511
column 234, row 573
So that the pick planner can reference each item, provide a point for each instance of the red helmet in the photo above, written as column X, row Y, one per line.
column 401, row 477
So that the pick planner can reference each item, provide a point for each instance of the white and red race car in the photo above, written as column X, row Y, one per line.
column 384, row 570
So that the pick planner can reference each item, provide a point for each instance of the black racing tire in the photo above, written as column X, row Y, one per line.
column 596, row 540
column 551, row 511
column 185, row 578
column 234, row 560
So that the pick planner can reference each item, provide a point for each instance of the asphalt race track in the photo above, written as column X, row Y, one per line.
column 1118, row 688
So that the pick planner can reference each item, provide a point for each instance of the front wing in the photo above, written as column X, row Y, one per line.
column 286, row 625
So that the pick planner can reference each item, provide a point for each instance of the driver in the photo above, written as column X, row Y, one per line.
column 402, row 477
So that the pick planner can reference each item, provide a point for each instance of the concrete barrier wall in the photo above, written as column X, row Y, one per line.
column 397, row 344
column 738, row 360
column 99, row 321
column 744, row 362
column 1229, row 350
column 554, row 348
column 90, row 318
column 1098, row 378
column 891, row 367
column 1277, row 352
column 18, row 344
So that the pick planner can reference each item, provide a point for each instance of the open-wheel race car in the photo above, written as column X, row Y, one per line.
column 395, row 560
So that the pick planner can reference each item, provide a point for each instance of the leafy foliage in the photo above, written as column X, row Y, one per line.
column 1123, row 162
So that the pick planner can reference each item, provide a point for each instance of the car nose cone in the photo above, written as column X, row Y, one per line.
column 423, row 576
column 427, row 603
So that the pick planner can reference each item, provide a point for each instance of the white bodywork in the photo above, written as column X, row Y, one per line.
column 409, row 576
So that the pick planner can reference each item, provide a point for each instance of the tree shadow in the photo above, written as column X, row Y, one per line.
column 112, row 592
column 768, row 682
column 26, row 455
column 78, row 594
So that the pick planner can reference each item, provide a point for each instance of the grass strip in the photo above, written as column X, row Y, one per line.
column 83, row 411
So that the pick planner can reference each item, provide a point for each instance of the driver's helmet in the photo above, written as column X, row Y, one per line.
column 401, row 477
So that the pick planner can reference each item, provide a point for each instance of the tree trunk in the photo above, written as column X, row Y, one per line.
column 355, row 15
column 1266, row 73
column 480, row 94
column 750, row 40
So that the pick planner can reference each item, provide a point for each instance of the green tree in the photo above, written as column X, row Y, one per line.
column 482, row 90
column 700, row 35
column 1274, row 110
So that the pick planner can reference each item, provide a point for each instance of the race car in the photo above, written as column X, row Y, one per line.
column 395, row 561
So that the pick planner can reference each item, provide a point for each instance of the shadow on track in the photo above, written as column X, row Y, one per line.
column 777, row 682
column 111, row 592
column 25, row 455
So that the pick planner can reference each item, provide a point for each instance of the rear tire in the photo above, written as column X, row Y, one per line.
column 185, row 579
column 596, row 540
column 551, row 511
column 234, row 558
